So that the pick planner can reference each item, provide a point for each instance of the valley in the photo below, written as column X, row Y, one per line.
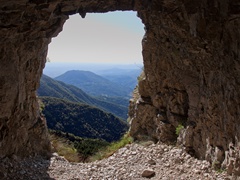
column 88, row 105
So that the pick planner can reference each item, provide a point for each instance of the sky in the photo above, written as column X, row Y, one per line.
column 113, row 37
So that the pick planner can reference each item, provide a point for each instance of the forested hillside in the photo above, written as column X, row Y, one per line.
column 82, row 120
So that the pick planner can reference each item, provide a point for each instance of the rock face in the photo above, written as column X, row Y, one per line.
column 191, row 53
column 191, row 56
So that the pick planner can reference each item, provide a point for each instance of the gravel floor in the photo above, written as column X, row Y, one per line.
column 135, row 161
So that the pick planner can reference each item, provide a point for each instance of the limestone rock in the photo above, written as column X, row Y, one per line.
column 187, row 82
column 148, row 173
column 151, row 162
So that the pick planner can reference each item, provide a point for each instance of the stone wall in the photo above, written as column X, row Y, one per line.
column 191, row 53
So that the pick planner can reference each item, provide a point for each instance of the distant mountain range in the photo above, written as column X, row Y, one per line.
column 82, row 120
column 94, row 84
column 54, row 69
column 127, row 78
column 52, row 88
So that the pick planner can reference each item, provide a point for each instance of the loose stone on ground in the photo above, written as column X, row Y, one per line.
column 133, row 162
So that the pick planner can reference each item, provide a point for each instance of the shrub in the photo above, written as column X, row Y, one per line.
column 77, row 149
column 112, row 148
column 89, row 147
column 64, row 148
column 179, row 128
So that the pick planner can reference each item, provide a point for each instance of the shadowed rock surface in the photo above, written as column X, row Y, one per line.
column 191, row 53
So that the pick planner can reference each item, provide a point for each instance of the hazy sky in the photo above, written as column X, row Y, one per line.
column 107, row 37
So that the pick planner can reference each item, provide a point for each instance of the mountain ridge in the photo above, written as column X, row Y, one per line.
column 58, row 89
column 92, row 83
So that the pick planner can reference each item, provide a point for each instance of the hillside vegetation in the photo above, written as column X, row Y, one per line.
column 82, row 120
column 74, row 148
column 77, row 149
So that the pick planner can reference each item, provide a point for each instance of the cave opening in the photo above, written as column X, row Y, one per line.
column 91, row 71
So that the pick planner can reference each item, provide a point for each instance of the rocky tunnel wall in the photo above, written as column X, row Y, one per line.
column 191, row 53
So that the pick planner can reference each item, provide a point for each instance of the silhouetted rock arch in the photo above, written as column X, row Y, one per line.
column 191, row 62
